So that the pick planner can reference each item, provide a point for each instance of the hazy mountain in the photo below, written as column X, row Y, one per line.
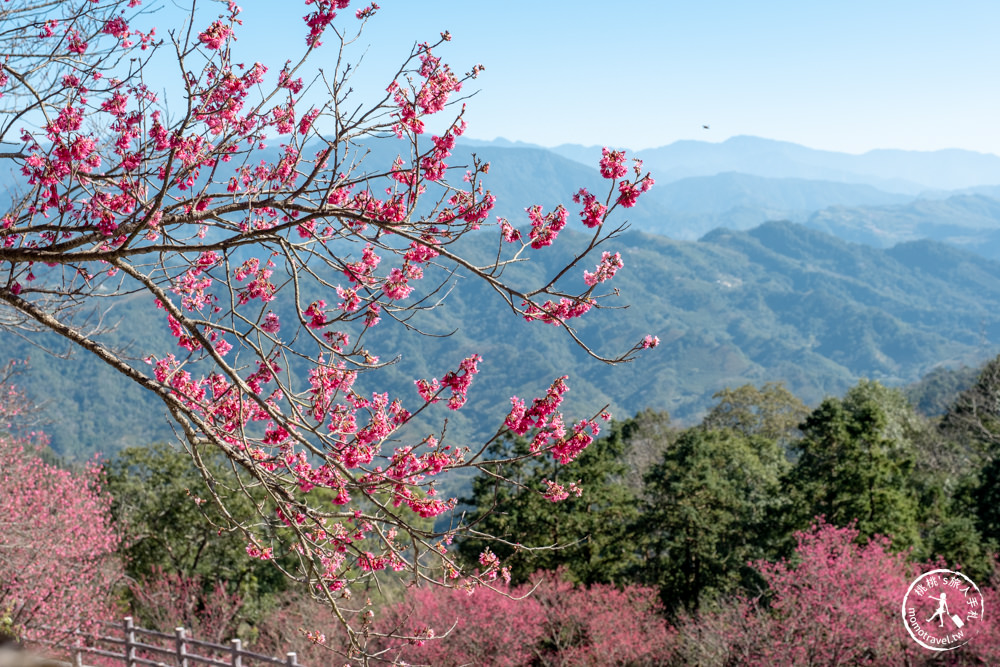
column 909, row 172
column 779, row 302
column 683, row 209
column 729, row 190
column 689, row 207
column 967, row 221
column 694, row 206
column 992, row 191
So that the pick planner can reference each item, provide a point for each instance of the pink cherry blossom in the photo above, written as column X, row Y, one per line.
column 215, row 35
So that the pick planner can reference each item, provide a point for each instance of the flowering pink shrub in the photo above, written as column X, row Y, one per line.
column 453, row 627
column 167, row 600
column 57, row 545
column 986, row 646
column 835, row 603
column 601, row 624
column 838, row 603
column 555, row 623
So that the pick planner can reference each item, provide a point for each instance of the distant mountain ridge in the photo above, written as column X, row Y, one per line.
column 860, row 208
column 683, row 209
column 755, row 186
column 967, row 221
column 780, row 302
column 728, row 190
column 901, row 171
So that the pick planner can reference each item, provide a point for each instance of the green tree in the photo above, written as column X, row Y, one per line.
column 935, row 393
column 587, row 534
column 711, row 506
column 159, row 499
column 957, row 539
column 646, row 437
column 970, row 433
column 770, row 411
column 855, row 462
column 974, row 417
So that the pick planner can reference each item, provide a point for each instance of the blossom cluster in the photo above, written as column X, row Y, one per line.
column 269, row 264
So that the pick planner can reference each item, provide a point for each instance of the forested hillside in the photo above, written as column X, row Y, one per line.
column 969, row 221
column 683, row 529
column 777, row 303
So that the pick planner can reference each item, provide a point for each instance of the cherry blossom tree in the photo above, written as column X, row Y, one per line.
column 253, row 219
column 549, row 623
column 58, row 560
column 835, row 602
column 168, row 600
column 839, row 604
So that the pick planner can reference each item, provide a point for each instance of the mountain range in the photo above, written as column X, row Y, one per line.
column 908, row 172
column 880, row 198
column 780, row 302
column 764, row 274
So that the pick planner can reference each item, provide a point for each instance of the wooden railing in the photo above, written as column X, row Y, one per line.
column 176, row 650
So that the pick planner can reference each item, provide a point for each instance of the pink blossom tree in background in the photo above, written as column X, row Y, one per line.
column 168, row 600
column 469, row 629
column 58, row 560
column 836, row 602
column 600, row 624
column 551, row 623
column 254, row 224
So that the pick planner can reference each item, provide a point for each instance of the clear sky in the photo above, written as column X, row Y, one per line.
column 847, row 75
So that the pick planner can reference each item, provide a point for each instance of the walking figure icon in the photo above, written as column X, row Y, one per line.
column 942, row 609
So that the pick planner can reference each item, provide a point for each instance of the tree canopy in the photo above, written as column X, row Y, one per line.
column 267, row 219
column 854, row 463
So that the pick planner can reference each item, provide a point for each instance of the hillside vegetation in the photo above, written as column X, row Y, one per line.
column 780, row 302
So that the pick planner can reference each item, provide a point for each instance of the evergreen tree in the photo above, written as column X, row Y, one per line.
column 974, row 418
column 586, row 534
column 855, row 463
column 770, row 411
column 970, row 430
column 712, row 504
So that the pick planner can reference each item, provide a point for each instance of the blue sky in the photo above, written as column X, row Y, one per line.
column 849, row 76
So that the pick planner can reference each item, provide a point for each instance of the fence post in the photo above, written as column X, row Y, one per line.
column 291, row 660
column 182, row 660
column 129, row 642
column 237, row 657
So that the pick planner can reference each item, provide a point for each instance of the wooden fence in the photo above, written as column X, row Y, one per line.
column 165, row 650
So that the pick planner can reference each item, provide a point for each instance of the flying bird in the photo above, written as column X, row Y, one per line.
column 704, row 127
